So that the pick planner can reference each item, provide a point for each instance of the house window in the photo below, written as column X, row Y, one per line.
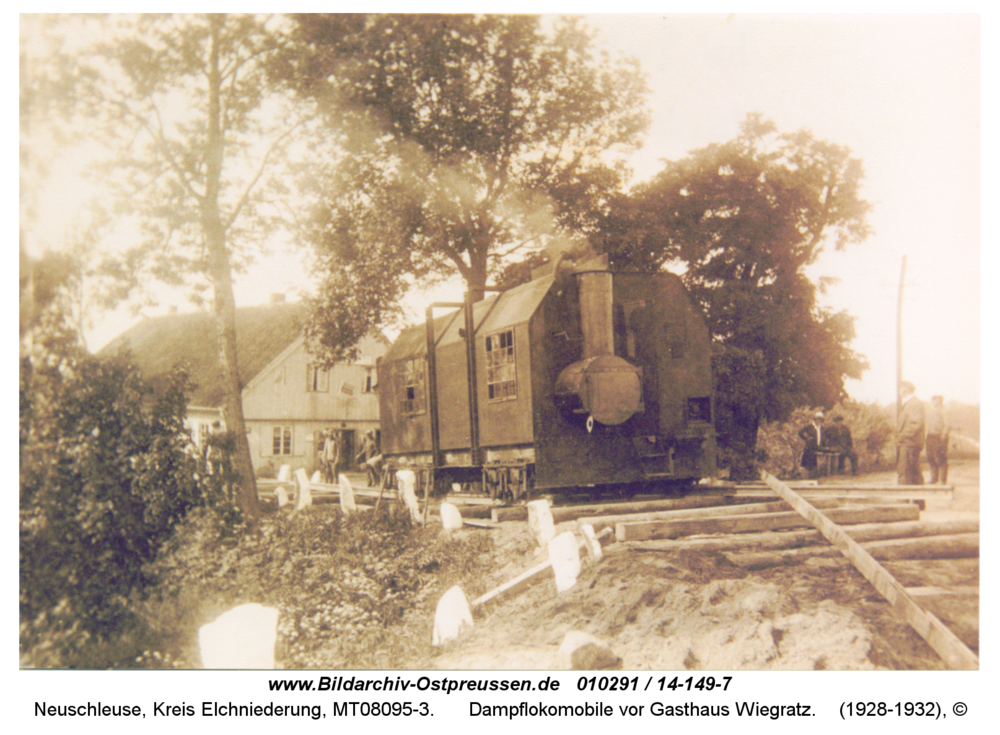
column 700, row 409
column 413, row 387
column 317, row 379
column 368, row 384
column 202, row 434
column 282, row 440
column 501, row 369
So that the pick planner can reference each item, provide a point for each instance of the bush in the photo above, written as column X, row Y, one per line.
column 349, row 588
column 107, row 472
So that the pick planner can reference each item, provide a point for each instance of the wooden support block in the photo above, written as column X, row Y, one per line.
column 760, row 522
column 955, row 653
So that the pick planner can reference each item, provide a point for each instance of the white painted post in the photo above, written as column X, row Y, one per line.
column 305, row 496
column 451, row 519
column 284, row 473
column 540, row 521
column 316, row 478
column 281, row 495
column 565, row 557
column 594, row 550
column 406, row 480
column 346, row 496
column 242, row 638
column 451, row 616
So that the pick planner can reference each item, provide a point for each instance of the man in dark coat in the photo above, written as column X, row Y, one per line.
column 812, row 434
column 838, row 438
column 909, row 436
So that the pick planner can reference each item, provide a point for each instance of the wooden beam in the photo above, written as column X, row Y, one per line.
column 894, row 492
column 947, row 645
column 773, row 506
column 572, row 512
column 798, row 539
column 954, row 546
column 942, row 591
column 759, row 522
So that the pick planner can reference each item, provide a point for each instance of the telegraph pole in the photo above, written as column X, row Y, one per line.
column 899, row 336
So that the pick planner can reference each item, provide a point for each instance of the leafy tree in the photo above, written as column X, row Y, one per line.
column 193, row 135
column 743, row 220
column 463, row 139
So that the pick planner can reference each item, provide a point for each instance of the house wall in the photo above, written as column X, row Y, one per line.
column 344, row 399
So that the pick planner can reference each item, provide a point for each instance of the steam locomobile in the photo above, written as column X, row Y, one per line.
column 579, row 379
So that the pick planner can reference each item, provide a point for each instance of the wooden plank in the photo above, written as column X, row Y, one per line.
column 773, row 506
column 942, row 591
column 479, row 523
column 954, row 546
column 894, row 492
column 947, row 645
column 759, row 522
column 568, row 512
column 796, row 539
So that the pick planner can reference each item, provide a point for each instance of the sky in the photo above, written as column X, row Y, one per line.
column 901, row 91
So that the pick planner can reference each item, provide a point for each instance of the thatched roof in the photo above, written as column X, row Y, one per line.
column 160, row 343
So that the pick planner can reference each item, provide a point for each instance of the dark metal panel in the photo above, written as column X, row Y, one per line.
column 506, row 422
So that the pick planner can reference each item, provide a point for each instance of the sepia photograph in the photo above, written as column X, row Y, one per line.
column 389, row 342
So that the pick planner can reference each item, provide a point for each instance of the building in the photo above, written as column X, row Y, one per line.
column 288, row 398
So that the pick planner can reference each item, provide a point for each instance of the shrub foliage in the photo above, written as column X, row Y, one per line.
column 107, row 471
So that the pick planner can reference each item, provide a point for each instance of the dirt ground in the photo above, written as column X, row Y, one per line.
column 681, row 610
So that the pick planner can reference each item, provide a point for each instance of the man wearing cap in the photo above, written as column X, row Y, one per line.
column 909, row 436
column 812, row 435
column 838, row 438
column 938, row 432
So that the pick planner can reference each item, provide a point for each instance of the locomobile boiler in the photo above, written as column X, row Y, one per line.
column 581, row 379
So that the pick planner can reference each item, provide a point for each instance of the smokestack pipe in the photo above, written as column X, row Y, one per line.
column 596, row 314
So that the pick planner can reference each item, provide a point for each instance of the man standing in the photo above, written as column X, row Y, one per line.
column 369, row 456
column 838, row 437
column 909, row 436
column 812, row 435
column 938, row 432
column 331, row 455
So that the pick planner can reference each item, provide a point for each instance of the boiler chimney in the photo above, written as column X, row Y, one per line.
column 596, row 314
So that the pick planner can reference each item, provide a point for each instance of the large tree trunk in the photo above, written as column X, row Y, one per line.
column 220, row 274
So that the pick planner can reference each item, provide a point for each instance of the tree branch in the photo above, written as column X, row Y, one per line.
column 260, row 172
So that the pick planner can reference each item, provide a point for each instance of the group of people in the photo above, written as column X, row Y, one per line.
column 833, row 439
column 915, row 428
column 331, row 455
